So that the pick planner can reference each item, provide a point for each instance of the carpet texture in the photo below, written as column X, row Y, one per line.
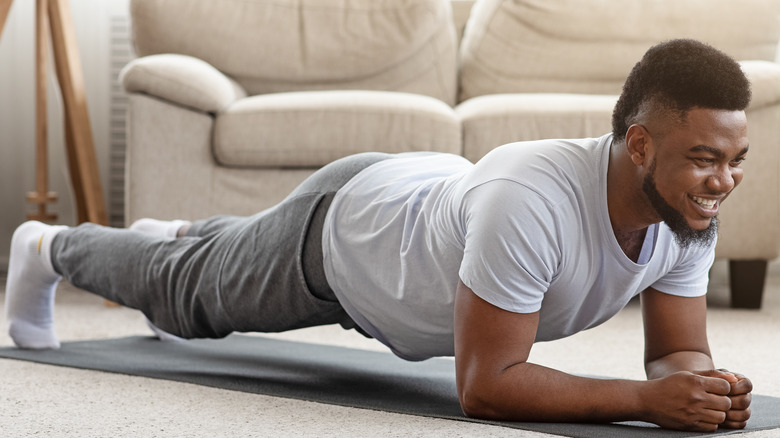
column 325, row 374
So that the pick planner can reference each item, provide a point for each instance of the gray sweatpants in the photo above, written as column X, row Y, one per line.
column 262, row 273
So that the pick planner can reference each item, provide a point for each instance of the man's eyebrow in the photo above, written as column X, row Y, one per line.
column 715, row 151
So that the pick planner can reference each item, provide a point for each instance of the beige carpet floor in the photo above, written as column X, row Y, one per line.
column 43, row 400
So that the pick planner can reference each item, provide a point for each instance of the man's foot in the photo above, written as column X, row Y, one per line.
column 155, row 227
column 162, row 334
column 166, row 230
column 30, row 287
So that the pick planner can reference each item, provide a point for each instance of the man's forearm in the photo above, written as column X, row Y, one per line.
column 530, row 392
column 678, row 361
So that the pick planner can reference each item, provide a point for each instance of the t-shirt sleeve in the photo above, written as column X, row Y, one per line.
column 511, row 247
column 690, row 275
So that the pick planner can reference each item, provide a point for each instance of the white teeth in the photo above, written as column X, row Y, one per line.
column 706, row 203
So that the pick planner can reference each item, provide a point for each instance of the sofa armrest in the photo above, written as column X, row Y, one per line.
column 182, row 80
column 764, row 79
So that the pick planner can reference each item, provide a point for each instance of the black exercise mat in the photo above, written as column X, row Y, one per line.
column 325, row 374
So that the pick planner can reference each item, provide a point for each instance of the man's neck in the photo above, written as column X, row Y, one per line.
column 626, row 202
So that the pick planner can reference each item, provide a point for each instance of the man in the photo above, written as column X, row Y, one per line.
column 434, row 256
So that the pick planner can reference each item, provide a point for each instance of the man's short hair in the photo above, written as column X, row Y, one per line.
column 675, row 76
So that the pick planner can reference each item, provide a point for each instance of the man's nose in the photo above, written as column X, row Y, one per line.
column 723, row 180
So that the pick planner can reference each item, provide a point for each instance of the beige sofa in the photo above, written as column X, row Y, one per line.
column 234, row 102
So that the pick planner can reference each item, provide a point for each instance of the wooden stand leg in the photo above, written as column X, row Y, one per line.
column 746, row 279
column 41, row 196
column 81, row 149
column 82, row 215
column 5, row 6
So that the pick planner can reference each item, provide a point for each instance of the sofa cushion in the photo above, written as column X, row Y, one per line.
column 575, row 46
column 497, row 119
column 492, row 120
column 764, row 79
column 311, row 129
column 293, row 45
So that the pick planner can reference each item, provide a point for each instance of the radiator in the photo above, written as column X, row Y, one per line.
column 121, row 53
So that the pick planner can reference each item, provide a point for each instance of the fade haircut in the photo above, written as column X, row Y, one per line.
column 675, row 76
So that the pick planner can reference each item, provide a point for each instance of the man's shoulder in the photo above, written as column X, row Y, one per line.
column 553, row 169
column 558, row 155
column 418, row 165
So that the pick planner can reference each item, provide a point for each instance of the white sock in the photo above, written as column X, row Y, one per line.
column 31, row 285
column 155, row 227
column 161, row 334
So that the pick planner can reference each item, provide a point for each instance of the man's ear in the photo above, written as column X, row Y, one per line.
column 637, row 142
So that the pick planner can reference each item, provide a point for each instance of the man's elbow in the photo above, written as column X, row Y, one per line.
column 476, row 402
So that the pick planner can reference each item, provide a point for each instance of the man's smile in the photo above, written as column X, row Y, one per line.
column 706, row 207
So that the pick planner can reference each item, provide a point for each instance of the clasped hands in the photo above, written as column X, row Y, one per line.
column 702, row 400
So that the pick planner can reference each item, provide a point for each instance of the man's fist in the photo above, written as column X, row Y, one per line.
column 689, row 401
column 740, row 395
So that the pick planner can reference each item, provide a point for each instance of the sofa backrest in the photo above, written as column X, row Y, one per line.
column 590, row 46
column 294, row 45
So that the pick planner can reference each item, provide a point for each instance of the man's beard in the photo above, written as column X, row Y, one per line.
column 684, row 234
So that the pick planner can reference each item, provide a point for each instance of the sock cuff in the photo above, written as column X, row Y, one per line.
column 44, row 246
column 174, row 226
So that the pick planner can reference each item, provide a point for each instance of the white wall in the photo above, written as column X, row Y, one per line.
column 91, row 20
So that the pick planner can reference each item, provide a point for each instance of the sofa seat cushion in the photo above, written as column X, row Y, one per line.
column 492, row 120
column 313, row 128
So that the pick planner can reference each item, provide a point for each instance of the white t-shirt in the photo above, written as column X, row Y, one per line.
column 526, row 228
